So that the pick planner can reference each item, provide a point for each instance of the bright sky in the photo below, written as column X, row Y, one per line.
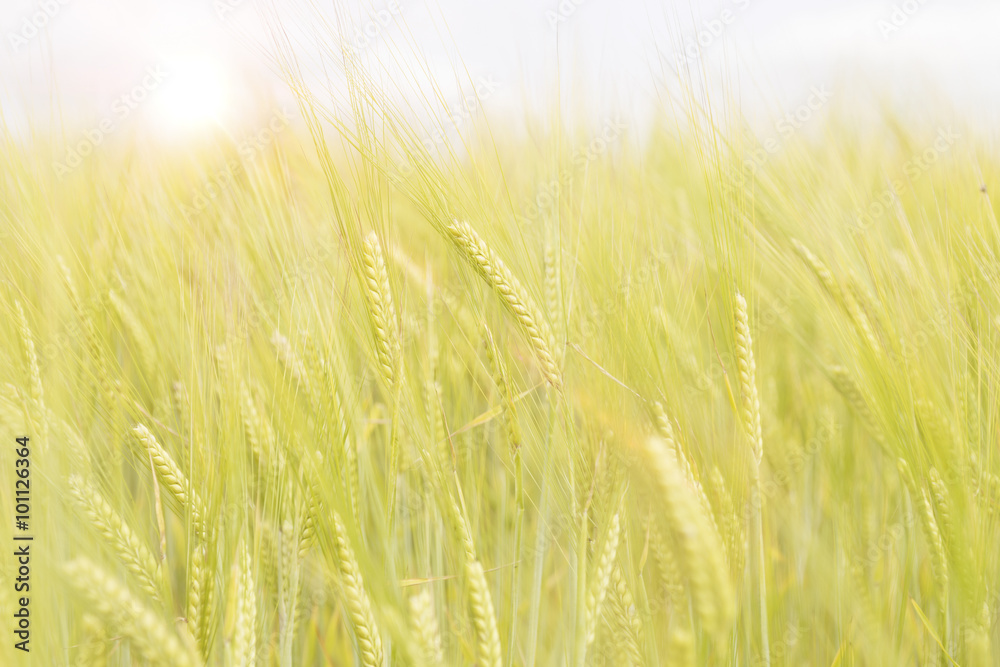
column 183, row 64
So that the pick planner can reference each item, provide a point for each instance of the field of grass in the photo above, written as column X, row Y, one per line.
column 579, row 399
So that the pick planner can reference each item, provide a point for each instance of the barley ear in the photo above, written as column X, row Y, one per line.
column 820, row 270
column 244, row 643
column 598, row 587
column 378, row 296
column 359, row 607
column 201, row 597
column 33, row 373
column 112, row 601
column 136, row 557
column 94, row 650
column 512, row 294
column 748, row 381
column 171, row 476
column 624, row 618
column 699, row 547
column 939, row 559
column 842, row 381
column 425, row 627
column 483, row 616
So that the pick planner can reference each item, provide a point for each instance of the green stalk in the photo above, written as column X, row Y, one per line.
column 757, row 529
column 518, row 533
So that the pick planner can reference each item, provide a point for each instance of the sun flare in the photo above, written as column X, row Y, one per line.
column 194, row 96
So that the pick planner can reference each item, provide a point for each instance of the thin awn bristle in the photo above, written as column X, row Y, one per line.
column 136, row 331
column 294, row 366
column 503, row 383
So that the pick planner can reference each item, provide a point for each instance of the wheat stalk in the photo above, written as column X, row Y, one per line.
column 288, row 588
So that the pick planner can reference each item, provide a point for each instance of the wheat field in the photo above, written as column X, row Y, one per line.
column 568, row 399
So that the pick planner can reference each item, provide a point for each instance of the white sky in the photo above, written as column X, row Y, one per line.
column 89, row 53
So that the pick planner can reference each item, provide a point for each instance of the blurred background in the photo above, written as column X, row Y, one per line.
column 172, row 68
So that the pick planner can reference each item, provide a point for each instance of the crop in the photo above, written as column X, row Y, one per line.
column 363, row 408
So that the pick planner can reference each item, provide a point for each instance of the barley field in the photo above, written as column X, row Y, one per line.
column 604, row 396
